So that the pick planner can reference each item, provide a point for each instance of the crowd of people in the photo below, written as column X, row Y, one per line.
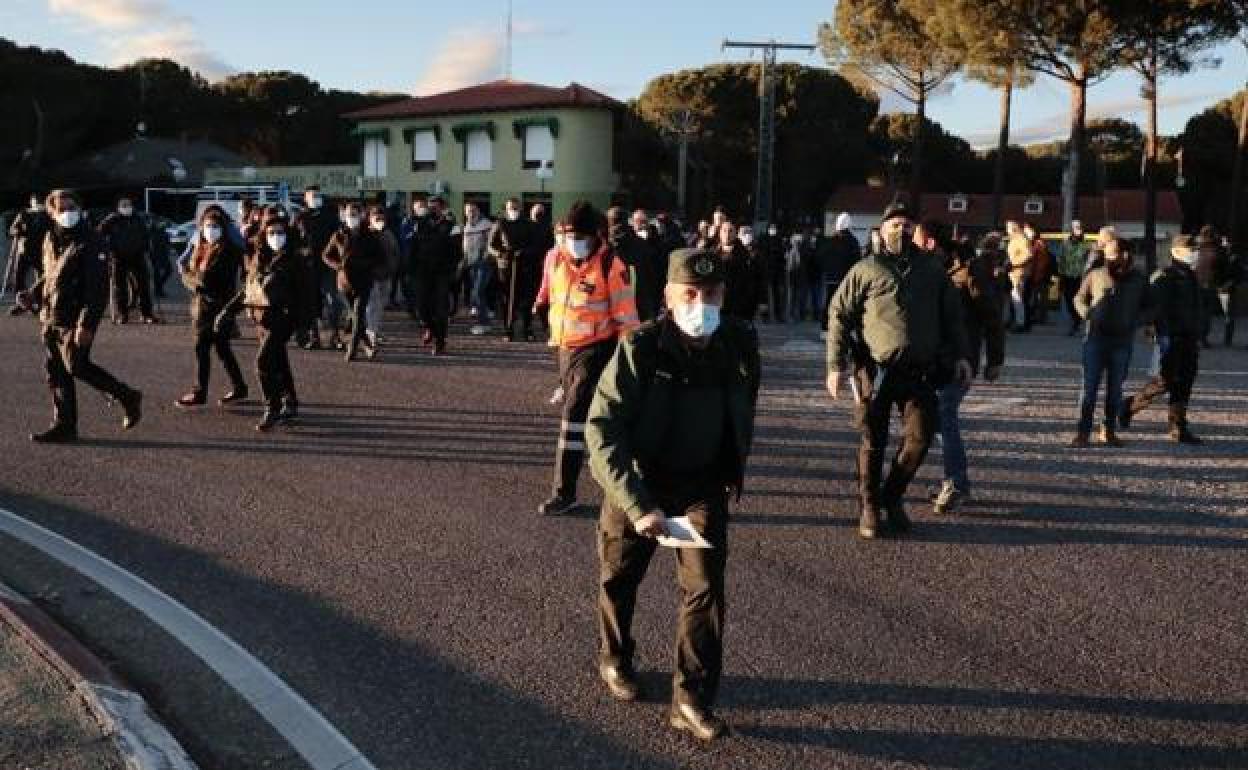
column 656, row 345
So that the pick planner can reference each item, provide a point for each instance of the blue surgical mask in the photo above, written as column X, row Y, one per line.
column 696, row 319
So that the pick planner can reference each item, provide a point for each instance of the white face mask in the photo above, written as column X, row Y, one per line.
column 315, row 201
column 1191, row 260
column 277, row 241
column 513, row 214
column 772, row 231
column 379, row 224
column 746, row 238
column 68, row 220
column 212, row 233
column 421, row 211
column 578, row 246
column 643, row 233
column 352, row 220
column 696, row 319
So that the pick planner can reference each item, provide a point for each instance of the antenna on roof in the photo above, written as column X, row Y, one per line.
column 507, row 54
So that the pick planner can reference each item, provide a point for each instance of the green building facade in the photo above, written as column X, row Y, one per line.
column 492, row 142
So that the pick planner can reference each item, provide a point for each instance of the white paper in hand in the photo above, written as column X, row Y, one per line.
column 681, row 534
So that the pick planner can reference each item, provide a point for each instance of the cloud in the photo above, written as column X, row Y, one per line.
column 466, row 58
column 476, row 54
column 1057, row 126
column 145, row 29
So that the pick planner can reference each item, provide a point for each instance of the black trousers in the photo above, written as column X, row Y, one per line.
column 518, row 296
column 1179, row 366
column 579, row 371
column 917, row 402
column 206, row 341
column 161, row 270
column 67, row 362
column 130, row 275
column 777, row 297
column 1070, row 287
column 624, row 557
column 273, row 363
column 29, row 261
column 433, row 300
column 357, row 300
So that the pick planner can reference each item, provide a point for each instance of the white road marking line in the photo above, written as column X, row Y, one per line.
column 316, row 740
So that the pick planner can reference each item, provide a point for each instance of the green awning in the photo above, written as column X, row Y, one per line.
column 518, row 126
column 364, row 133
column 460, row 130
column 411, row 131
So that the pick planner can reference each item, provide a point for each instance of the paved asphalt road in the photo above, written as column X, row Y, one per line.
column 384, row 557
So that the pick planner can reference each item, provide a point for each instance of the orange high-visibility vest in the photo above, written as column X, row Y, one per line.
column 588, row 307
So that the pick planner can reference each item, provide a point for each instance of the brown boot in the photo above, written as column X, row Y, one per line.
column 1108, row 437
column 1080, row 441
column 1178, row 426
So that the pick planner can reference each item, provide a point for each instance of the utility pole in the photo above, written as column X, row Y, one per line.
column 766, row 120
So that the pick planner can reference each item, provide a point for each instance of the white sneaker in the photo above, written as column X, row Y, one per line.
column 472, row 312
column 478, row 330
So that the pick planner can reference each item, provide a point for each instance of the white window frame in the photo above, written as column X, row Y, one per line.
column 375, row 151
column 1033, row 206
column 478, row 151
column 958, row 204
column 425, row 140
column 538, row 146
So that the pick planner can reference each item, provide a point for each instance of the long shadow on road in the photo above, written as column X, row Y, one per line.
column 400, row 703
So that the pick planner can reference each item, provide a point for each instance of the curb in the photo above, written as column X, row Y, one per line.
column 144, row 743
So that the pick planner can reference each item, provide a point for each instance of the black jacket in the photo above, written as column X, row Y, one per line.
column 74, row 288
column 1177, row 302
column 211, row 275
column 356, row 255
column 126, row 237
column 837, row 254
column 981, row 309
column 28, row 230
column 315, row 228
column 434, row 249
column 512, row 243
column 278, row 273
column 743, row 283
column 642, row 257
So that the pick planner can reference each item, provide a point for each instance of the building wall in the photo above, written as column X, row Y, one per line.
column 582, row 159
column 341, row 181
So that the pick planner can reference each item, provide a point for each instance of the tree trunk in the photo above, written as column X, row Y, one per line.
column 1078, row 121
column 1233, row 227
column 1003, row 145
column 916, row 155
column 1150, row 169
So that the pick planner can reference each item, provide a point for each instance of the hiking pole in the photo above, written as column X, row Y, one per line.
column 10, row 272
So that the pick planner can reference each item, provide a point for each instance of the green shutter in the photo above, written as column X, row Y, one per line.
column 518, row 126
column 460, row 130
column 364, row 134
column 409, row 132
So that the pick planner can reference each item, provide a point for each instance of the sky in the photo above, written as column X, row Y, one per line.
column 421, row 48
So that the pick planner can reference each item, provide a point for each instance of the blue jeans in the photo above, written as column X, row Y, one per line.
column 480, row 289
column 1103, row 356
column 953, row 451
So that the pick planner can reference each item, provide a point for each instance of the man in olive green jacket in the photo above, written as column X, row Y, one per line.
column 668, row 435
column 897, row 317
